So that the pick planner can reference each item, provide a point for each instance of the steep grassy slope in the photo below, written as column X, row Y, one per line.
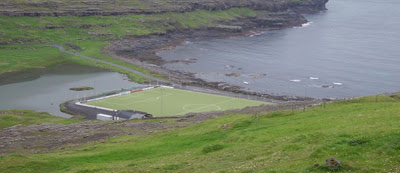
column 362, row 133
column 88, row 25
column 25, row 41
column 71, row 28
column 25, row 117
column 119, row 7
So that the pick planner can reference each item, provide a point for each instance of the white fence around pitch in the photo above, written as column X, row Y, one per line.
column 114, row 95
column 96, row 107
column 163, row 86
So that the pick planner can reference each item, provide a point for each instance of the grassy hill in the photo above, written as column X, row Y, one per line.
column 362, row 133
column 28, row 28
column 118, row 7
column 10, row 118
column 25, row 41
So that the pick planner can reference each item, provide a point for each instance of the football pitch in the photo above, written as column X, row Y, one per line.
column 161, row 102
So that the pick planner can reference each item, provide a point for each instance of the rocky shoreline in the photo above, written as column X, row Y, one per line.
column 142, row 50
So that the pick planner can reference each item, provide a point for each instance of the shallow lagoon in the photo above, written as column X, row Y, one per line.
column 44, row 90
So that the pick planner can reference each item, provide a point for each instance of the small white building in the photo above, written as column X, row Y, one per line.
column 105, row 117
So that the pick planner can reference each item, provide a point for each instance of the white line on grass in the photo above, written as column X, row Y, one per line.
column 209, row 105
column 130, row 103
column 151, row 99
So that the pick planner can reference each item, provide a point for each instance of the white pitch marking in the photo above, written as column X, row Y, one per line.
column 209, row 105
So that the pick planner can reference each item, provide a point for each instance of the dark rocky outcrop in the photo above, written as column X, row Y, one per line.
column 308, row 7
column 333, row 162
column 120, row 7
column 143, row 47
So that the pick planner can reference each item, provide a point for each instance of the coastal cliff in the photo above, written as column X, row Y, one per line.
column 122, row 7
column 269, row 14
column 130, row 33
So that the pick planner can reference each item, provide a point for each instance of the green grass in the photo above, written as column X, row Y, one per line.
column 92, row 49
column 363, row 134
column 17, row 58
column 22, row 59
column 169, row 102
column 27, row 37
column 10, row 118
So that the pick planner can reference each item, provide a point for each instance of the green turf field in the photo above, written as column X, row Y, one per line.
column 169, row 102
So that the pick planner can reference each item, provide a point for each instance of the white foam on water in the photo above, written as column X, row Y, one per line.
column 306, row 24
column 256, row 34
column 337, row 83
column 313, row 78
column 295, row 80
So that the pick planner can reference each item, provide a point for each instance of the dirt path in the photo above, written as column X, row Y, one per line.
column 61, row 48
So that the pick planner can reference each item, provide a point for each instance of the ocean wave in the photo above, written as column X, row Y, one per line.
column 295, row 80
column 256, row 34
column 337, row 83
column 306, row 24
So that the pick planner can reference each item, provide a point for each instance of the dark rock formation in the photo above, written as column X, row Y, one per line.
column 333, row 162
column 308, row 7
column 142, row 47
